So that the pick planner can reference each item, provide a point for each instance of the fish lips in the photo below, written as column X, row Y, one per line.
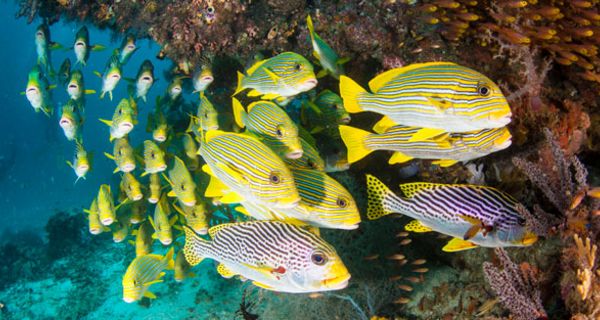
column 207, row 79
column 128, row 167
column 296, row 154
column 337, row 283
column 65, row 123
column 128, row 299
column 160, row 138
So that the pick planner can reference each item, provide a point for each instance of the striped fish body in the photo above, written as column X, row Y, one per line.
column 451, row 209
column 155, row 188
column 71, row 120
column 123, row 120
column 111, row 77
column 144, row 79
column 250, row 169
column 161, row 223
column 137, row 212
column 431, row 95
column 175, row 88
column 154, row 158
column 182, row 184
column 157, row 124
column 131, row 186
column 310, row 158
column 272, row 125
column 123, row 155
column 94, row 224
column 195, row 216
column 332, row 107
column 328, row 58
column 284, row 75
column 127, row 48
column 81, row 46
column 203, row 78
column 143, row 239
column 274, row 255
column 207, row 114
column 455, row 147
column 75, row 87
column 37, row 92
column 144, row 271
column 106, row 206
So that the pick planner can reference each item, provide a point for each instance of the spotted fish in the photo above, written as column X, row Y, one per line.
column 449, row 148
column 274, row 255
column 143, row 272
column 440, row 95
column 473, row 215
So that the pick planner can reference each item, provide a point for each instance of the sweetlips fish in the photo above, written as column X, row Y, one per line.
column 81, row 163
column 123, row 155
column 331, row 106
column 155, row 188
column 207, row 116
column 310, row 158
column 71, row 120
column 190, row 149
column 143, row 272
column 157, row 123
column 175, row 88
column 249, row 169
column 162, row 223
column 43, row 46
column 182, row 268
column 203, row 77
column 131, row 187
column 120, row 230
column 127, row 48
column 111, row 76
column 329, row 60
column 182, row 184
column 82, row 46
column 37, row 92
column 64, row 72
column 449, row 148
column 137, row 211
column 474, row 215
column 144, row 79
column 143, row 239
column 106, row 205
column 276, row 256
column 94, row 225
column 154, row 158
column 271, row 125
column 75, row 87
column 195, row 216
column 440, row 95
column 123, row 120
column 284, row 75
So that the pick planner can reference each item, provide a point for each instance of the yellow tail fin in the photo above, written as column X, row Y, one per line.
column 238, row 112
column 377, row 192
column 354, row 139
column 350, row 92
column 311, row 28
column 239, row 87
column 169, row 259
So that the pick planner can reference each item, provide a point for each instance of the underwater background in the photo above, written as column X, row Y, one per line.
column 542, row 54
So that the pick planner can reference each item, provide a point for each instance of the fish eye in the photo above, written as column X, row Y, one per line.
column 342, row 202
column 311, row 164
column 205, row 115
column 483, row 90
column 275, row 178
column 279, row 132
column 335, row 107
column 120, row 111
column 318, row 258
column 183, row 187
column 210, row 10
column 152, row 155
column 298, row 67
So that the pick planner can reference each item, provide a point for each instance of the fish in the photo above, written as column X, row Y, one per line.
column 122, row 155
column 161, row 222
column 82, row 46
column 82, row 162
column 155, row 188
column 249, row 169
column 182, row 184
column 157, row 123
column 143, row 272
column 332, row 109
column 43, row 47
column 64, row 72
column 448, row 148
column 106, row 205
column 284, row 75
column 123, row 120
column 271, row 125
column 137, row 211
column 126, row 49
column 203, row 77
column 154, row 158
column 440, row 95
column 175, row 88
column 451, row 209
column 332, row 64
column 37, row 92
column 144, row 80
column 310, row 158
column 111, row 76
column 189, row 146
column 131, row 186
column 94, row 225
column 182, row 268
column 276, row 256
column 195, row 216
column 120, row 230
column 75, row 87
column 324, row 203
column 71, row 120
column 143, row 239
column 207, row 116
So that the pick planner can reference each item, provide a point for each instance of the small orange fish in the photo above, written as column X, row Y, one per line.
column 421, row 270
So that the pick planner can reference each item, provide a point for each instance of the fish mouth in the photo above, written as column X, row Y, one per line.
column 147, row 79
column 115, row 76
column 72, row 86
column 128, row 167
column 162, row 168
column 336, row 283
column 153, row 200
column 107, row 221
column 134, row 221
column 128, row 299
column 166, row 242
column 64, row 122
column 215, row 127
column 297, row 154
column 201, row 231
column 95, row 231
column 79, row 44
column 32, row 89
column 190, row 203
column 345, row 120
column 117, row 240
column 138, row 197
column 83, row 167
column 126, row 125
column 207, row 79
column 311, row 83
column 130, row 47
column 160, row 138
column 176, row 89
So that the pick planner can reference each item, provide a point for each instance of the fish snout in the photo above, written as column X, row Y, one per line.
column 311, row 83
column 65, row 122
column 107, row 221
column 160, row 138
column 296, row 154
column 128, row 167
column 166, row 242
column 138, row 197
column 128, row 299
column 207, row 79
column 189, row 203
column 153, row 200
column 345, row 119
column 95, row 230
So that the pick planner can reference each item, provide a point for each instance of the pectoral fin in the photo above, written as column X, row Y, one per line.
column 150, row 295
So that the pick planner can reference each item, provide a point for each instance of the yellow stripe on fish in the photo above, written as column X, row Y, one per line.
column 144, row 271
column 439, row 95
column 182, row 184
column 123, row 155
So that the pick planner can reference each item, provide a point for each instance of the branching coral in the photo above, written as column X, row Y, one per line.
column 517, row 288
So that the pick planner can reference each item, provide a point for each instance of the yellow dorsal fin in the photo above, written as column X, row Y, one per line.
column 457, row 244
column 212, row 232
column 411, row 189
column 207, row 170
column 224, row 271
column 238, row 112
column 384, row 124
column 254, row 93
column 429, row 134
column 380, row 80
column 210, row 134
column 399, row 157
column 255, row 66
column 417, row 227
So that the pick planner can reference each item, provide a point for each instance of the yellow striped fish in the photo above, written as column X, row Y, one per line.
column 71, row 120
column 324, row 203
column 157, row 123
column 274, row 255
column 120, row 230
column 284, row 75
column 182, row 184
column 161, row 222
column 143, row 239
column 189, row 146
column 328, row 58
column 155, row 188
column 75, row 87
column 123, row 119
column 94, row 225
column 154, row 158
column 440, row 95
column 331, row 106
column 131, row 187
column 122, row 155
column 143, row 272
column 310, row 158
column 207, row 115
column 137, row 212
column 271, row 125
column 106, row 205
column 250, row 170
column 195, row 216
column 182, row 268
column 450, row 148
column 474, row 215
column 81, row 163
